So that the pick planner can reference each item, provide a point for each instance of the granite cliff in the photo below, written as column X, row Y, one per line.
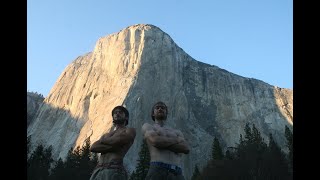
column 141, row 65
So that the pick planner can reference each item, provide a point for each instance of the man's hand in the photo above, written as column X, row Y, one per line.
column 157, row 137
column 119, row 137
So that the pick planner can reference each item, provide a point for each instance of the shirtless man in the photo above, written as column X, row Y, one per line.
column 113, row 146
column 166, row 146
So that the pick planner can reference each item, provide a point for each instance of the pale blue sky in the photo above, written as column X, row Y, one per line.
column 250, row 38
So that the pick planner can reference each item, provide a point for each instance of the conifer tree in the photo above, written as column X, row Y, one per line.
column 39, row 163
column 289, row 137
column 274, row 162
column 28, row 149
column 217, row 153
column 248, row 133
column 196, row 173
column 143, row 163
column 79, row 164
column 58, row 171
column 28, row 144
column 251, row 159
column 87, row 163
column 72, row 163
column 250, row 153
column 229, row 155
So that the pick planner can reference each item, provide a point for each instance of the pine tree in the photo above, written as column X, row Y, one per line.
column 229, row 155
column 72, row 163
column 28, row 150
column 250, row 153
column 217, row 153
column 289, row 137
column 28, row 144
column 257, row 138
column 143, row 163
column 248, row 133
column 196, row 173
column 274, row 162
column 251, row 159
column 39, row 163
column 87, row 163
column 58, row 171
column 79, row 164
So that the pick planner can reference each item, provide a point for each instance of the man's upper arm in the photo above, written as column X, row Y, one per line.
column 182, row 146
column 179, row 133
column 97, row 147
column 147, row 131
column 120, row 138
column 131, row 132
column 145, row 127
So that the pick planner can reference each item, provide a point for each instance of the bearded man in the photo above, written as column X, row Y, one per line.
column 166, row 146
column 113, row 146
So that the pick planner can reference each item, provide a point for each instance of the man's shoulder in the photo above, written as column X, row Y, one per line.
column 131, row 129
column 131, row 132
column 146, row 126
column 176, row 130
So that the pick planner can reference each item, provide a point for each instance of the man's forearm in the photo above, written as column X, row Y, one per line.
column 181, row 147
column 116, row 139
column 97, row 147
column 163, row 141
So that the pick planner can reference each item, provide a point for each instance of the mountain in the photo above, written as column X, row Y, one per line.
column 141, row 65
column 34, row 101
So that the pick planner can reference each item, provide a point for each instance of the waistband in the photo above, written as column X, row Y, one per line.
column 172, row 168
column 111, row 165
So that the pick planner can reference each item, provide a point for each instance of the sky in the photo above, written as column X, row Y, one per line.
column 250, row 38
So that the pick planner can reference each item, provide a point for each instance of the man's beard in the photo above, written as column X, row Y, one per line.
column 119, row 121
column 161, row 117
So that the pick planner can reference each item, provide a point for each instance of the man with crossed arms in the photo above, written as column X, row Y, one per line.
column 166, row 146
column 113, row 147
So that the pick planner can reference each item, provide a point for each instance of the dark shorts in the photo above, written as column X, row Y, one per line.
column 161, row 173
column 102, row 173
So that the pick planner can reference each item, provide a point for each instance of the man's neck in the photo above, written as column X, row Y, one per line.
column 161, row 123
column 119, row 126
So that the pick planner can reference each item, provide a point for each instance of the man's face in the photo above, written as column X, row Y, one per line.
column 119, row 117
column 160, row 112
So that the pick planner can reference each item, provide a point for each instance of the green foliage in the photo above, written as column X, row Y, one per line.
column 289, row 137
column 79, row 164
column 39, row 163
column 251, row 159
column 58, row 171
column 219, row 169
column 196, row 173
column 230, row 154
column 143, row 163
column 274, row 165
column 217, row 153
column 36, row 94
column 28, row 144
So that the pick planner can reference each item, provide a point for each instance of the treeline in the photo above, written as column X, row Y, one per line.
column 79, row 163
column 36, row 94
column 251, row 159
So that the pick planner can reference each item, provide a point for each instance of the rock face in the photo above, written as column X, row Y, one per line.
column 141, row 65
column 34, row 101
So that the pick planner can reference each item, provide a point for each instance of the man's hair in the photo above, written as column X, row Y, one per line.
column 159, row 102
column 126, row 112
